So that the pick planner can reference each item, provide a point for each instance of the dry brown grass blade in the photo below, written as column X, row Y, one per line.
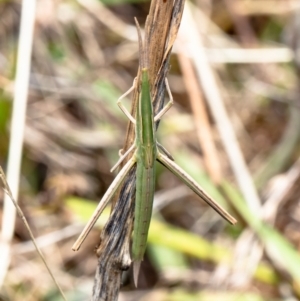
column 262, row 7
column 203, row 127
column 157, row 27
column 114, row 257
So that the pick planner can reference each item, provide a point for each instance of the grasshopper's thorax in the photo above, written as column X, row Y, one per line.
column 145, row 137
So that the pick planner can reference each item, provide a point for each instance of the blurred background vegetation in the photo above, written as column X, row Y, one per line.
column 85, row 55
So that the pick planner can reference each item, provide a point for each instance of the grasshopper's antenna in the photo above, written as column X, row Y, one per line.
column 143, row 49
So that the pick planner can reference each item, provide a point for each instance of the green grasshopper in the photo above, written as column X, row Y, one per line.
column 146, row 151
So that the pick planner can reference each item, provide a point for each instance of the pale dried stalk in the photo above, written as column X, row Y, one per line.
column 17, row 130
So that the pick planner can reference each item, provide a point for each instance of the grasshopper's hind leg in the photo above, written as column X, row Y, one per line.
column 122, row 107
column 164, row 151
column 168, row 105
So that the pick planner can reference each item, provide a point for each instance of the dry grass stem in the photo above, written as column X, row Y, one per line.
column 204, row 131
column 24, row 220
column 17, row 130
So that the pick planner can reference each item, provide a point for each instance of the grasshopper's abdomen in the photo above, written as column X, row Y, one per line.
column 145, row 181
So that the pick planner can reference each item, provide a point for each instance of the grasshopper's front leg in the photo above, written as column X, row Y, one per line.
column 122, row 107
column 167, row 107
column 127, row 113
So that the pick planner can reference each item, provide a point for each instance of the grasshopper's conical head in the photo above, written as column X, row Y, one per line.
column 143, row 47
